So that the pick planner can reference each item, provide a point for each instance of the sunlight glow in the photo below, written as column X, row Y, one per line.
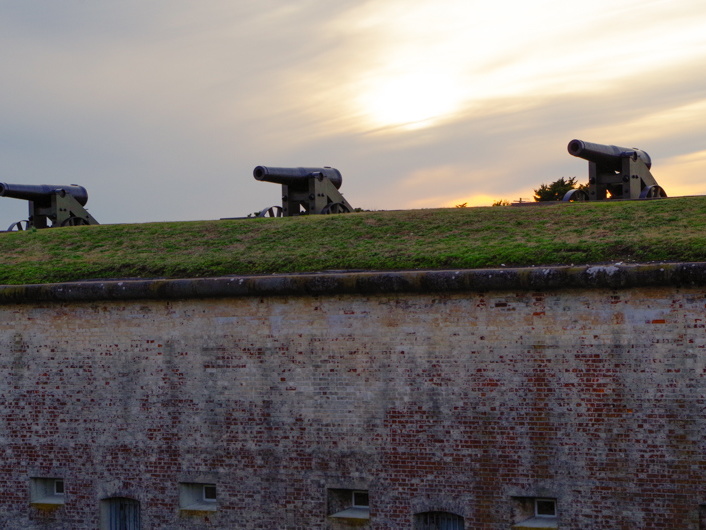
column 474, row 200
column 444, row 60
column 411, row 100
column 683, row 175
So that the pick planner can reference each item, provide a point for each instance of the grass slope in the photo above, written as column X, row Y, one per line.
column 561, row 233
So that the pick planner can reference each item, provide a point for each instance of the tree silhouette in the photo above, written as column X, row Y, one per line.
column 556, row 190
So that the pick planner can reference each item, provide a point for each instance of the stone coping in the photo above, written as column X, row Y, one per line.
column 610, row 276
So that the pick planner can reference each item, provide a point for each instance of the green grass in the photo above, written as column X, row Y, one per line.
column 560, row 233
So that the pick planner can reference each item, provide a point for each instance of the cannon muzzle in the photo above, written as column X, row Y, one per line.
column 297, row 176
column 42, row 193
column 608, row 156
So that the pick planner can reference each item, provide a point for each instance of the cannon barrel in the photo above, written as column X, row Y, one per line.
column 607, row 155
column 42, row 193
column 297, row 176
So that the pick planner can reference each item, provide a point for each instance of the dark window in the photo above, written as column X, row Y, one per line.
column 438, row 521
column 58, row 487
column 360, row 498
column 545, row 507
column 209, row 493
column 121, row 514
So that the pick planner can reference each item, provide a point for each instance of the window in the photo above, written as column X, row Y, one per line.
column 47, row 491
column 209, row 493
column 360, row 499
column 438, row 521
column 197, row 497
column 120, row 513
column 348, row 504
column 535, row 512
column 545, row 508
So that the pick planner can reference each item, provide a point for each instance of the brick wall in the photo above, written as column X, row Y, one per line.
column 462, row 402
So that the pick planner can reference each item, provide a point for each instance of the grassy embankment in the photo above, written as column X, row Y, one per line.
column 576, row 233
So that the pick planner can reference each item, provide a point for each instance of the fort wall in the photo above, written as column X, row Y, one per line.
column 470, row 393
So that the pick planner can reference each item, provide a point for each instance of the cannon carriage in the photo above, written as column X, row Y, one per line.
column 49, row 205
column 305, row 190
column 614, row 173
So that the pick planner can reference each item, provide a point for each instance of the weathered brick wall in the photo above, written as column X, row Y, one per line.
column 455, row 401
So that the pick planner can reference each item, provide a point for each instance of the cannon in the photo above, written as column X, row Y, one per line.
column 58, row 205
column 614, row 172
column 305, row 190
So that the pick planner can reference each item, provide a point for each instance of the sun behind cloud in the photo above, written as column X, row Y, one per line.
column 422, row 63
column 410, row 100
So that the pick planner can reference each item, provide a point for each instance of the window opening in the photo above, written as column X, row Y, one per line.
column 59, row 487
column 348, row 504
column 360, row 499
column 120, row 513
column 545, row 508
column 46, row 491
column 535, row 512
column 197, row 497
column 209, row 493
column 438, row 521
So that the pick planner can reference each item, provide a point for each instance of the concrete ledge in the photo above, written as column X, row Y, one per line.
column 617, row 276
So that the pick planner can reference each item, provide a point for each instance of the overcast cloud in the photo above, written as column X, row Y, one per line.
column 161, row 109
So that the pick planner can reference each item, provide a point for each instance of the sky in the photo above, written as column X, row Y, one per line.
column 162, row 108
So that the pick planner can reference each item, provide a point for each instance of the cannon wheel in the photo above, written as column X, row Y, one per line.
column 575, row 195
column 653, row 192
column 272, row 211
column 75, row 221
column 19, row 226
column 335, row 207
